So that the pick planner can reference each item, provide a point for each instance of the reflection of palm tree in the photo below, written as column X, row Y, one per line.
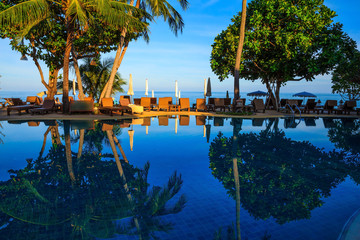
column 275, row 171
column 1, row 134
column 43, row 194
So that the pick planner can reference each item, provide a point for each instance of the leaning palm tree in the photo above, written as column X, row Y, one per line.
column 76, row 15
column 239, row 52
column 157, row 8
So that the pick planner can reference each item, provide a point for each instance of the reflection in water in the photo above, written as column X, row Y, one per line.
column 278, row 177
column 87, row 195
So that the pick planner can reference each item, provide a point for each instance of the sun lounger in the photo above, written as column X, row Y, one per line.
column 219, row 104
column 153, row 102
column 146, row 103
column 163, row 104
column 329, row 106
column 107, row 107
column 310, row 106
column 348, row 107
column 48, row 106
column 31, row 102
column 201, row 104
column 258, row 105
column 211, row 104
column 184, row 103
column 137, row 101
column 125, row 104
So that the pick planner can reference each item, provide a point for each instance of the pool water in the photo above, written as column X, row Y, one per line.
column 179, row 177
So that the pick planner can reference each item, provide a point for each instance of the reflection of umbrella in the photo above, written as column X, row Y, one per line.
column 147, row 130
column 146, row 87
column 257, row 94
column 131, row 136
column 227, row 94
column 130, row 91
column 204, row 131
column 304, row 94
column 208, row 128
column 208, row 88
column 176, row 124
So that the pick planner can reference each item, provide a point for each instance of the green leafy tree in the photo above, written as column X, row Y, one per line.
column 346, row 76
column 77, row 16
column 285, row 41
column 279, row 177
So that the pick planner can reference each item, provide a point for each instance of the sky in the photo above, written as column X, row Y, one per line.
column 185, row 58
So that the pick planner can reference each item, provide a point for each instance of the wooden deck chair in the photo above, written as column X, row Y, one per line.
column 201, row 104
column 349, row 106
column 137, row 101
column 329, row 106
column 219, row 103
column 184, row 120
column 146, row 103
column 259, row 105
column 184, row 104
column 48, row 106
column 163, row 104
column 153, row 102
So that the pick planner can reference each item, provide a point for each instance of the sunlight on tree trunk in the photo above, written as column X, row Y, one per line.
column 68, row 48
column 239, row 52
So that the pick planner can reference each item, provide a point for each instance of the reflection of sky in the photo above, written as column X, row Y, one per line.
column 208, row 206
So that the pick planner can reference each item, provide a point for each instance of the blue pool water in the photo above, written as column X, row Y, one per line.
column 294, row 178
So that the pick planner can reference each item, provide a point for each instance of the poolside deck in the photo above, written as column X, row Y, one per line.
column 60, row 116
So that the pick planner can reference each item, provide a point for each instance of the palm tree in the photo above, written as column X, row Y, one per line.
column 239, row 52
column 76, row 15
column 157, row 8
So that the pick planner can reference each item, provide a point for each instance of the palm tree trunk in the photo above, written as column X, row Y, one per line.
column 68, row 48
column 44, row 142
column 239, row 52
column 120, row 148
column 78, row 77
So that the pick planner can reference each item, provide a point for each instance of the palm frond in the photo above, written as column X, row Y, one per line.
column 25, row 13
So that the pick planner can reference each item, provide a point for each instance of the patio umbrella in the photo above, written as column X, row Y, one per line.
column 146, row 87
column 176, row 90
column 304, row 94
column 179, row 94
column 152, row 93
column 130, row 91
column 131, row 137
column 205, row 88
column 258, row 94
column 208, row 88
column 74, row 90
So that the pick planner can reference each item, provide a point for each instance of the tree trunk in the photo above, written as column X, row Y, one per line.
column 53, row 76
column 108, row 86
column 44, row 142
column 78, row 77
column 68, row 48
column 239, row 52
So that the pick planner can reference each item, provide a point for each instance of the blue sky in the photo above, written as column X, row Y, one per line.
column 184, row 58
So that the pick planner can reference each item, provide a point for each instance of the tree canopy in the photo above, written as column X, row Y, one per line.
column 284, row 41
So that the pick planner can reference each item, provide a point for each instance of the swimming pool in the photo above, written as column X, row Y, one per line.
column 176, row 178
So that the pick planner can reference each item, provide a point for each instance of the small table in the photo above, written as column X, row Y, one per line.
column 174, row 107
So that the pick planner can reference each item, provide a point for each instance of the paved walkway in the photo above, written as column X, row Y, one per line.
column 351, row 230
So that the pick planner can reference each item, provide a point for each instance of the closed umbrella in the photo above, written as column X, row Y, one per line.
column 205, row 88
column 176, row 90
column 208, row 88
column 130, row 91
column 152, row 93
column 227, row 94
column 146, row 87
column 74, row 90
column 179, row 94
